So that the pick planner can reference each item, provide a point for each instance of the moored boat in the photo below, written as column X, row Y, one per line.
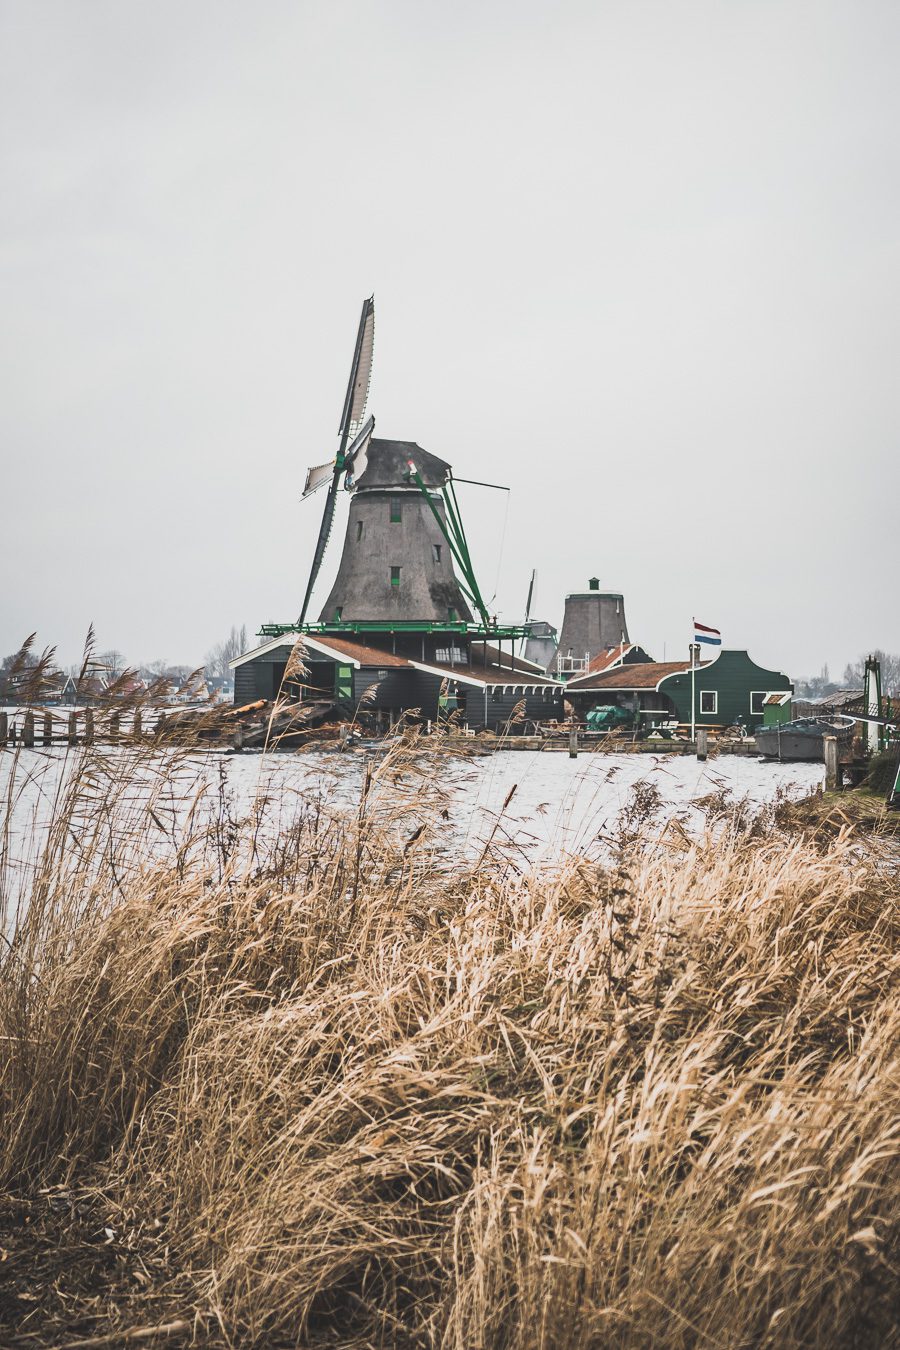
column 805, row 738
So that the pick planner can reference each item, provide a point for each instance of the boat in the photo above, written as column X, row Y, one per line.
column 805, row 738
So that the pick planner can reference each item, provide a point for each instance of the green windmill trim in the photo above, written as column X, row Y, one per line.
column 455, row 536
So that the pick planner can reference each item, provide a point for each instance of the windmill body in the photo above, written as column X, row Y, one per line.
column 396, row 563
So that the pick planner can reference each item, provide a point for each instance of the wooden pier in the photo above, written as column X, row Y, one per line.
column 33, row 728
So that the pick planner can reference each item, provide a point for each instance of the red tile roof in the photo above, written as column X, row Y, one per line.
column 642, row 675
column 603, row 660
column 354, row 651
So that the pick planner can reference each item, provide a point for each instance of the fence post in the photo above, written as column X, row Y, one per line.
column 702, row 742
column 573, row 740
column 833, row 775
column 28, row 729
column 136, row 725
column 114, row 727
column 89, row 726
column 73, row 728
column 48, row 728
column 237, row 740
column 4, row 729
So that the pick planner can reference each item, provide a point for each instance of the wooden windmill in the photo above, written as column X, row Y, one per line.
column 404, row 538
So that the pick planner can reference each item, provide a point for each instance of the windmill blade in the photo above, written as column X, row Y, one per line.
column 357, row 455
column 528, row 609
column 530, row 594
column 357, row 395
column 321, row 542
column 354, row 411
column 317, row 477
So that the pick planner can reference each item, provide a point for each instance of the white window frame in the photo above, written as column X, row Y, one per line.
column 763, row 694
column 714, row 710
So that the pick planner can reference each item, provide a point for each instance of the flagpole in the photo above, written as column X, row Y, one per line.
column 693, row 699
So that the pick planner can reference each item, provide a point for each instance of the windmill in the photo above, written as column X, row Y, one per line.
column 404, row 529
column 355, row 436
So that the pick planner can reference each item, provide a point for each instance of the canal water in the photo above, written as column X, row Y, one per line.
column 542, row 806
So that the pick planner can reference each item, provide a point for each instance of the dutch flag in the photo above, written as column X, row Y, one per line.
column 702, row 633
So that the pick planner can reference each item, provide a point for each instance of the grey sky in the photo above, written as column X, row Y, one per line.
column 638, row 260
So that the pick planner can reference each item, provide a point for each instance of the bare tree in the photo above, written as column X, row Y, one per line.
column 890, row 672
column 218, row 657
column 113, row 663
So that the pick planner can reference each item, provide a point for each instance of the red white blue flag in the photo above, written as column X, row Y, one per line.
column 703, row 633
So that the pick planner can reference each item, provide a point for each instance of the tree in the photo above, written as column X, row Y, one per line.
column 113, row 663
column 815, row 686
column 218, row 657
column 854, row 674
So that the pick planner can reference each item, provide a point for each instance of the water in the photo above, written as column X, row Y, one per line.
column 542, row 805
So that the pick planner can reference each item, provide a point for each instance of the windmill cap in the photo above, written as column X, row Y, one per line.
column 388, row 465
column 595, row 594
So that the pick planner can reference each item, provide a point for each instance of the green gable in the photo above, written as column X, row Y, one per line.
column 731, row 680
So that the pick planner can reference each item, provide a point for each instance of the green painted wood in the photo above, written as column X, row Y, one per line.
column 733, row 677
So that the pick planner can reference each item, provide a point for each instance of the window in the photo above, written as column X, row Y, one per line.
column 383, row 674
column 396, row 511
column 395, row 576
column 757, row 699
column 359, row 530
column 709, row 701
column 343, row 683
column 436, row 553
column 452, row 656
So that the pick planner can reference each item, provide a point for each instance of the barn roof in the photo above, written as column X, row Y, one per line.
column 356, row 653
column 605, row 660
column 643, row 675
column 387, row 462
column 336, row 648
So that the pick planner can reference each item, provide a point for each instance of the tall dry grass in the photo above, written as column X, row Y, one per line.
column 352, row 1091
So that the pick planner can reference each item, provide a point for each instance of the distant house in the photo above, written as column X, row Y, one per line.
column 87, row 689
column 32, row 686
column 221, row 687
column 730, row 689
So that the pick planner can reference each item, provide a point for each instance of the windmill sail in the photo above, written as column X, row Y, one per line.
column 351, row 419
column 317, row 477
column 360, row 373
column 357, row 455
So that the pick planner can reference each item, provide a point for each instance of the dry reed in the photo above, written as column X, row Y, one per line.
column 332, row 1086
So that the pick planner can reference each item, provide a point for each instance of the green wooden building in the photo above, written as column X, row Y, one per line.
column 728, row 690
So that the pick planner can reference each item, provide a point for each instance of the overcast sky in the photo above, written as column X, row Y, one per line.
column 637, row 259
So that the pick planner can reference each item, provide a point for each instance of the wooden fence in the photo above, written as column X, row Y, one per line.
column 30, row 727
